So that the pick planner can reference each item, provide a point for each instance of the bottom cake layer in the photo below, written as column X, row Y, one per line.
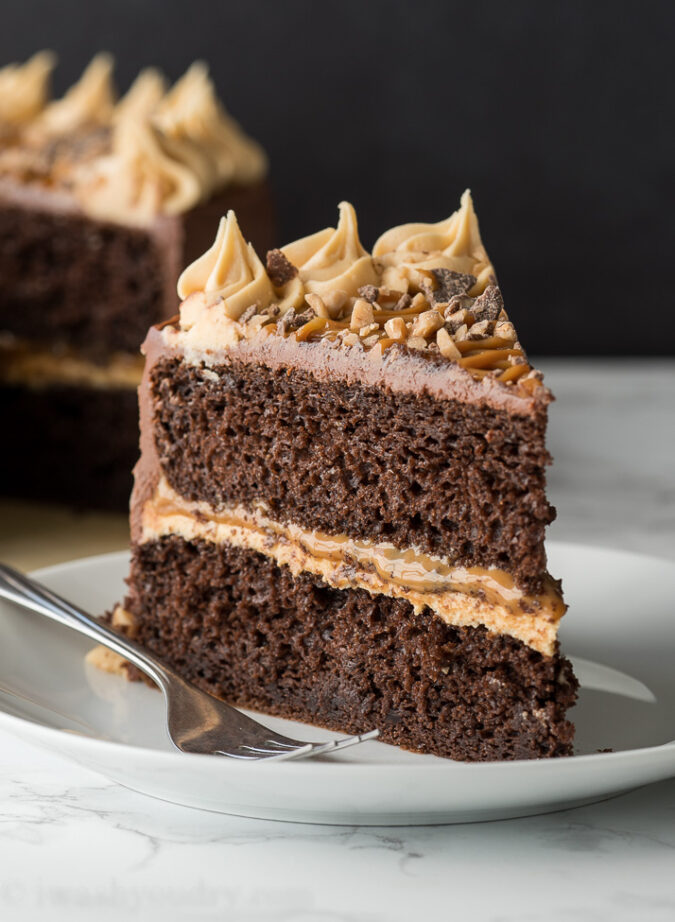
column 74, row 445
column 246, row 630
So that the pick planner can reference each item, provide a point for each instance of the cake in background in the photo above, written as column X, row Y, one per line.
column 339, row 511
column 102, row 201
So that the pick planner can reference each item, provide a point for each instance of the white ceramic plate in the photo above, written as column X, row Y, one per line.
column 619, row 632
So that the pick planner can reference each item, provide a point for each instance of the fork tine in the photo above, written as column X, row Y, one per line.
column 278, row 752
column 320, row 749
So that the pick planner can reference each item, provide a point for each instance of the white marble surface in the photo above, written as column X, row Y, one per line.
column 75, row 846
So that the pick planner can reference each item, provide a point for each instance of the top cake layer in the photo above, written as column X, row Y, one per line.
column 155, row 151
column 423, row 312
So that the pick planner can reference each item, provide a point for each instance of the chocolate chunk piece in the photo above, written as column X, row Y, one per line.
column 292, row 321
column 450, row 283
column 489, row 305
column 369, row 292
column 249, row 313
column 279, row 268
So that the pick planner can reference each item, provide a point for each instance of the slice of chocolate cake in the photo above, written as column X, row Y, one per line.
column 101, row 205
column 339, row 511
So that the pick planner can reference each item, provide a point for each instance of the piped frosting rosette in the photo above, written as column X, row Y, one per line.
column 409, row 252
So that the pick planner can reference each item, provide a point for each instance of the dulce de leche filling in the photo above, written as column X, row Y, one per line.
column 460, row 596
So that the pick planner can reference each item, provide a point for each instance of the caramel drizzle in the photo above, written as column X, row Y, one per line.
column 479, row 357
column 409, row 570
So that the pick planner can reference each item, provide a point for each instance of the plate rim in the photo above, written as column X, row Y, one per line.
column 662, row 751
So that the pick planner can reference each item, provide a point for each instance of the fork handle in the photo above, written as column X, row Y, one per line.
column 21, row 590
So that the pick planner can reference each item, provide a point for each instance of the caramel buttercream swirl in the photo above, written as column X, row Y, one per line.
column 143, row 176
column 333, row 258
column 192, row 111
column 24, row 89
column 143, row 97
column 90, row 102
column 230, row 272
column 408, row 253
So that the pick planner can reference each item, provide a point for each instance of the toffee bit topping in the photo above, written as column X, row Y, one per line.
column 458, row 303
column 458, row 319
column 449, row 284
column 292, row 321
column 279, row 268
column 403, row 302
column 489, row 305
column 369, row 293
column 249, row 313
column 481, row 329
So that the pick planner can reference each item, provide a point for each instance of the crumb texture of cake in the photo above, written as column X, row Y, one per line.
column 248, row 631
column 446, row 477
column 339, row 511
column 103, row 200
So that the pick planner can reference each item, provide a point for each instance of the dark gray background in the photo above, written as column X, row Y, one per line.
column 557, row 115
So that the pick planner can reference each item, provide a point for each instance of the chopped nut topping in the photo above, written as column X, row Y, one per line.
column 369, row 292
column 279, row 268
column 460, row 333
column 489, row 305
column 446, row 346
column 505, row 330
column 417, row 342
column 427, row 323
column 396, row 329
column 349, row 339
column 317, row 304
column 368, row 329
column 362, row 315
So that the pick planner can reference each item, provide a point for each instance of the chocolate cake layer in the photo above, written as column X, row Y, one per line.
column 90, row 284
column 97, row 285
column 69, row 444
column 248, row 631
column 451, row 478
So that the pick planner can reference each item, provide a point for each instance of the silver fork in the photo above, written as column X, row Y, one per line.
column 196, row 721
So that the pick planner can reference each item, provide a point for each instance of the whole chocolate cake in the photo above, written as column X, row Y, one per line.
column 339, row 511
column 102, row 202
